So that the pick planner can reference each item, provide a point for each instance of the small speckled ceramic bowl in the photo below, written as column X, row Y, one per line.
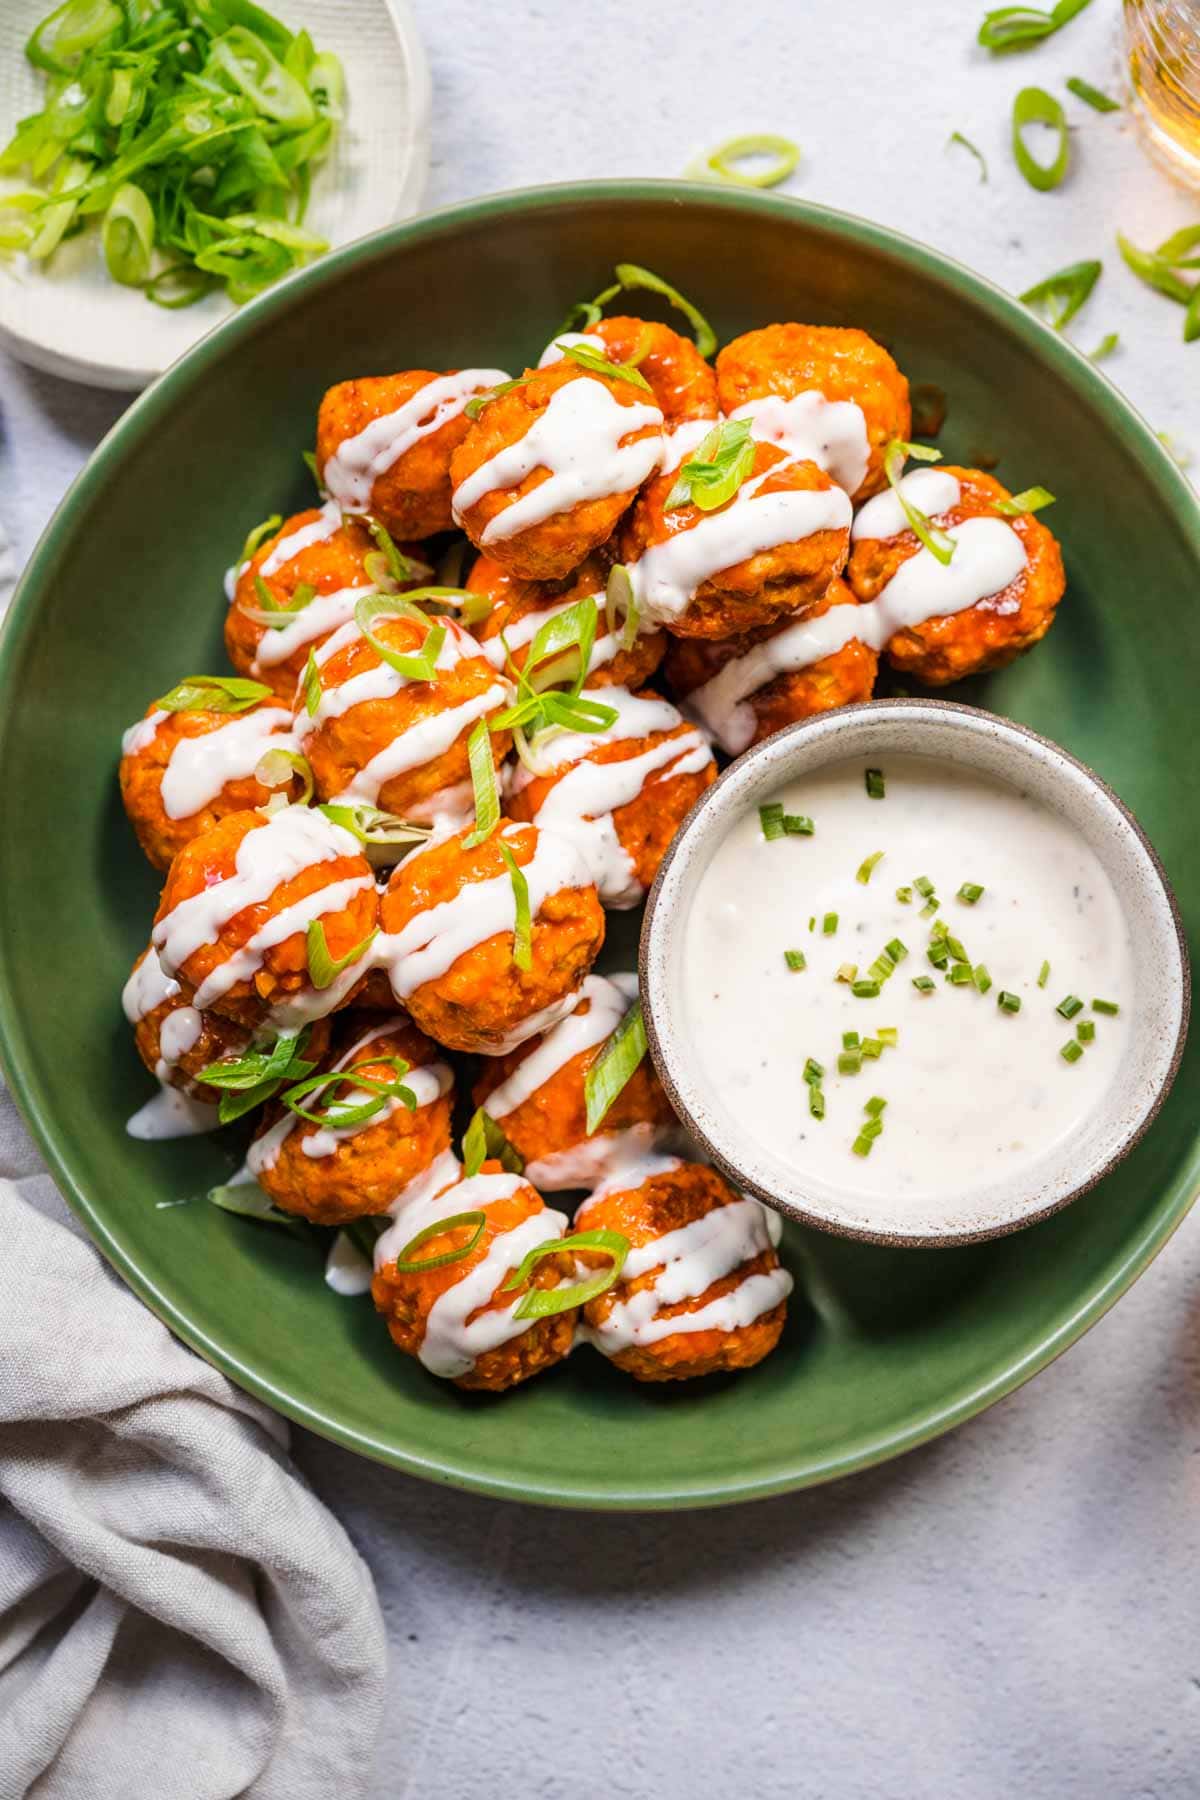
column 991, row 746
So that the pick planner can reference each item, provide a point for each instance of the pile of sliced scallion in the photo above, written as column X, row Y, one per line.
column 187, row 130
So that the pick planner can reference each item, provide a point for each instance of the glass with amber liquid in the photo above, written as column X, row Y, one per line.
column 1163, row 44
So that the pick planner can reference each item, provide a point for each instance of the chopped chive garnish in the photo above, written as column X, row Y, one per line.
column 798, row 825
column 954, row 946
column 1104, row 349
column 961, row 975
column 875, row 1105
column 938, row 955
column 1085, row 1031
column 829, row 924
column 846, row 972
column 888, row 1036
column 771, row 819
column 983, row 980
column 956, row 137
column 816, row 1101
column 812, row 923
column 923, row 885
column 924, row 984
column 867, row 867
column 939, row 929
column 1043, row 974
column 1108, row 1007
column 849, row 1062
column 862, row 1144
column 865, row 990
column 969, row 893
column 1009, row 1003
column 930, row 907
column 872, row 1129
column 1070, row 1006
column 1059, row 297
column 896, row 950
column 872, row 1048
column 883, row 968
column 813, row 1070
column 1071, row 1051
column 795, row 959
column 850, row 1040
column 875, row 784
column 904, row 896
column 1084, row 90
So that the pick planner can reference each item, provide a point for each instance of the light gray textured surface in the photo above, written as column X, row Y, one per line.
column 1012, row 1611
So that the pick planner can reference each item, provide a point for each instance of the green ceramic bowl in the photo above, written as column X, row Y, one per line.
column 124, row 595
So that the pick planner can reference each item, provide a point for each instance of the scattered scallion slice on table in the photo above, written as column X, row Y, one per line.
column 867, row 867
column 1008, row 28
column 956, row 137
column 1059, row 297
column 1034, row 106
column 725, row 163
column 1099, row 102
column 795, row 960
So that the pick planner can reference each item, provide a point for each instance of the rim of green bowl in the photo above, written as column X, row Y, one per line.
column 139, row 422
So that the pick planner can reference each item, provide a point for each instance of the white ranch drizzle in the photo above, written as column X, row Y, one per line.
column 931, row 491
column 380, row 681
column 680, row 440
column 598, row 1159
column 325, row 613
column 428, row 945
column 578, row 439
column 988, row 557
column 428, row 1081
column 582, row 801
column 347, row 1270
column 453, row 1340
column 142, row 732
column 556, row 348
column 423, row 741
column 180, row 1033
column 689, row 1261
column 147, row 988
column 667, row 575
column 316, row 531
column 810, row 428
column 199, row 767
column 358, row 462
column 171, row 1114
column 578, row 1032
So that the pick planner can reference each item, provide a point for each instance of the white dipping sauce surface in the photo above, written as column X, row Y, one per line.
column 974, row 1094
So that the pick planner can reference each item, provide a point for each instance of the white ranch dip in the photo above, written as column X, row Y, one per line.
column 973, row 1092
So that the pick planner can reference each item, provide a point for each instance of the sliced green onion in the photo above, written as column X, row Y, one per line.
column 938, row 954
column 865, row 990
column 484, row 785
column 883, row 968
column 935, row 540
column 1191, row 318
column 770, row 818
column 632, row 275
column 1155, row 270
column 255, row 537
column 1043, row 975
column 595, row 364
column 930, row 907
column 1059, row 297
column 904, row 896
column 522, row 951
column 862, row 1144
column 955, row 947
column 961, row 975
column 816, row 1101
column 849, row 1062
column 248, row 1080
column 851, row 1040
column 1180, row 457
column 813, row 1070
column 213, row 693
column 477, row 402
column 1008, row 28
column 615, row 1066
column 378, row 1093
column 1084, row 90
column 795, row 960
column 1009, row 1003
column 371, row 826
column 846, row 972
column 797, row 825
column 421, row 666
column 248, row 1201
column 829, row 924
column 721, row 464
column 983, row 980
column 407, row 1263
column 872, row 1048
column 620, row 601
column 923, row 885
column 1070, row 1006
column 1034, row 106
column 875, row 784
column 276, row 767
column 1085, row 1031
column 896, row 949
column 721, row 164
column 485, row 1140
column 545, row 1303
column 312, row 685
column 924, row 984
column 324, row 969
column 872, row 1129
column 1071, row 1051
column 888, row 1036
column 970, row 893
column 874, row 1106
column 1108, row 1007
column 867, row 867
column 127, row 236
column 1104, row 349
column 956, row 137
column 1029, row 500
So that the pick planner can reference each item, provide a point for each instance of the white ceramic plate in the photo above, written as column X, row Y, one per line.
column 74, row 320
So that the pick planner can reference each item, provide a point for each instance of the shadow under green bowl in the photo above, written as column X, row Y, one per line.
column 123, row 595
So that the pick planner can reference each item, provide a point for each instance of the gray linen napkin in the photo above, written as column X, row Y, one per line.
column 180, row 1617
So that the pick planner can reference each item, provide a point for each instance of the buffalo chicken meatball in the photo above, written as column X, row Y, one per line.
column 825, row 392
column 331, row 1172
column 183, row 770
column 537, row 1096
column 384, row 444
column 744, row 688
column 546, row 471
column 701, row 1289
column 296, row 589
column 459, row 1316
column 683, row 384
column 450, row 917
column 768, row 552
column 173, row 1039
column 385, row 736
column 522, row 607
column 619, row 794
column 997, row 594
column 243, row 905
